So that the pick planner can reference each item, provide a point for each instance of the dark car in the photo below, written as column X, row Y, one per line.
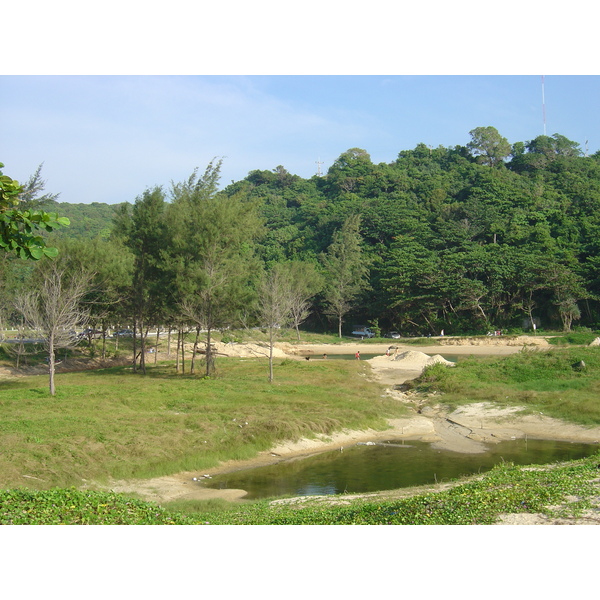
column 123, row 333
column 90, row 334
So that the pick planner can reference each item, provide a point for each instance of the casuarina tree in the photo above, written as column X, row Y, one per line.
column 346, row 269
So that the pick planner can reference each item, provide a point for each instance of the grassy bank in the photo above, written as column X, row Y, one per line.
column 563, row 383
column 556, row 491
column 114, row 423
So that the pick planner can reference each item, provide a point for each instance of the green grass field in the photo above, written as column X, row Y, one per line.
column 114, row 423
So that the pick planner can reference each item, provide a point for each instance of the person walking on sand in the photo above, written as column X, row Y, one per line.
column 357, row 355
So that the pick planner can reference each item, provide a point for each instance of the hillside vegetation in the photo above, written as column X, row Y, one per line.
column 465, row 239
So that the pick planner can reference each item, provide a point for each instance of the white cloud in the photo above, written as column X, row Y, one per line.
column 100, row 137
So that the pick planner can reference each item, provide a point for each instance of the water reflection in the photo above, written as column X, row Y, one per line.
column 392, row 465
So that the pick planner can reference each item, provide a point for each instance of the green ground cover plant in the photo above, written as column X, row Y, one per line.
column 75, row 507
column 562, row 490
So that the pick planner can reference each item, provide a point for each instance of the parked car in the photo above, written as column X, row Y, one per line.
column 363, row 332
column 123, row 333
column 90, row 334
column 394, row 335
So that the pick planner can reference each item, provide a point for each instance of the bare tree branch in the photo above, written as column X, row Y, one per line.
column 55, row 310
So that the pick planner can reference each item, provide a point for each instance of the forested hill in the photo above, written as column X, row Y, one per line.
column 87, row 220
column 462, row 238
column 485, row 234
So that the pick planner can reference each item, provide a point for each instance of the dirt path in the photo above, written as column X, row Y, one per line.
column 465, row 430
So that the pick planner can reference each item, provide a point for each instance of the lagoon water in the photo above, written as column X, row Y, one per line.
column 388, row 465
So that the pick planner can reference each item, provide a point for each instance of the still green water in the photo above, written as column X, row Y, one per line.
column 386, row 466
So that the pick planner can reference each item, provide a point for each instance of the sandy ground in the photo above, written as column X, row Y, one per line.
column 465, row 430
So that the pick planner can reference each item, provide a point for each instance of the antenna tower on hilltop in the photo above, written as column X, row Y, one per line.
column 319, row 163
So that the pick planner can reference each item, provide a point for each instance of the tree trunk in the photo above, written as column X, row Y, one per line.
column 193, row 364
column 156, row 349
column 51, row 365
column 142, row 348
column 134, row 345
column 210, row 361
column 103, row 340
column 182, row 351
column 270, row 354
column 20, row 351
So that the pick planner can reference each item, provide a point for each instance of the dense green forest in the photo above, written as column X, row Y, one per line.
column 467, row 239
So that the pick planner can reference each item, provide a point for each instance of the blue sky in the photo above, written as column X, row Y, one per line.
column 116, row 100
column 107, row 138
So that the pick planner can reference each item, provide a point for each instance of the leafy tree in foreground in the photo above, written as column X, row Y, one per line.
column 32, row 196
column 211, row 252
column 111, row 264
column 146, row 235
column 306, row 282
column 19, row 228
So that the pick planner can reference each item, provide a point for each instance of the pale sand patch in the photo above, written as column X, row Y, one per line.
column 248, row 350
column 495, row 424
column 492, row 346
